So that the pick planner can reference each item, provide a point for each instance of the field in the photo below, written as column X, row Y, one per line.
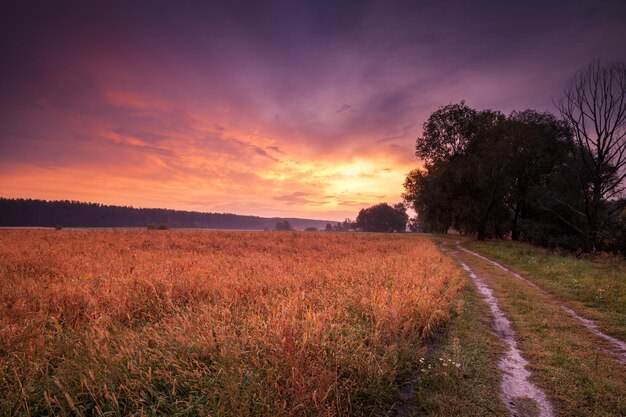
column 215, row 323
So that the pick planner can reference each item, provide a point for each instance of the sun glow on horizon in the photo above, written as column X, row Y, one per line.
column 201, row 173
column 271, row 109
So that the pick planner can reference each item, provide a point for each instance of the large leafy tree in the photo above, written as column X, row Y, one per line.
column 482, row 169
column 482, row 175
column 447, row 132
column 432, row 191
column 457, row 187
column 383, row 218
column 538, row 146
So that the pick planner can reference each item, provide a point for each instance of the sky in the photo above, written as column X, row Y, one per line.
column 271, row 108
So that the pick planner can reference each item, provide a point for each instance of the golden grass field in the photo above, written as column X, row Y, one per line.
column 214, row 323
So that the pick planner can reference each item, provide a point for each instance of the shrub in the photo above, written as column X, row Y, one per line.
column 283, row 226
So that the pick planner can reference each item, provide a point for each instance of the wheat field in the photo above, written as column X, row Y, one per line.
column 127, row 322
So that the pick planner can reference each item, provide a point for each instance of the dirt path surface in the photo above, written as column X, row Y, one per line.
column 616, row 347
column 521, row 396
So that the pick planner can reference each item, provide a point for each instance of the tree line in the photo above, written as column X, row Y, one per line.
column 20, row 212
column 554, row 181
column 42, row 213
column 382, row 218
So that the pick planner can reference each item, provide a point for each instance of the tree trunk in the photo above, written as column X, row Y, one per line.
column 482, row 226
column 593, row 217
column 498, row 231
column 514, row 229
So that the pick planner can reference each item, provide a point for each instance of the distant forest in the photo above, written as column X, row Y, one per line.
column 41, row 213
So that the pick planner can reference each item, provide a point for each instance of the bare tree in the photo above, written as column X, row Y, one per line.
column 594, row 105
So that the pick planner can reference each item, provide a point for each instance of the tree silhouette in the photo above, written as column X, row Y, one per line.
column 383, row 218
column 495, row 175
column 594, row 106
column 283, row 226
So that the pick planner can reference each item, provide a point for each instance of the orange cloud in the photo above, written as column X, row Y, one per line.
column 146, row 151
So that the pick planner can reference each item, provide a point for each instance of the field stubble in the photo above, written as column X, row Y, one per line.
column 214, row 323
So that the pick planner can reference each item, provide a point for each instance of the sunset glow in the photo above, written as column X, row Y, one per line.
column 281, row 109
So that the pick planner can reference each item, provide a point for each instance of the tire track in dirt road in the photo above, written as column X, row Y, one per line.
column 516, row 388
column 617, row 347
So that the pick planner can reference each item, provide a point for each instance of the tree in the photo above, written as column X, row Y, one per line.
column 431, row 191
column 446, row 133
column 538, row 143
column 427, row 191
column 481, row 169
column 283, row 226
column 594, row 106
column 482, row 173
column 464, row 153
column 383, row 218
column 344, row 226
column 553, row 182
column 414, row 225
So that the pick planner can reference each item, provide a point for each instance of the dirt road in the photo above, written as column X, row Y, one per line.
column 518, row 392
column 547, row 361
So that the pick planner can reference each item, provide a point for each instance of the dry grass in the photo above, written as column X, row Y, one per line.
column 214, row 323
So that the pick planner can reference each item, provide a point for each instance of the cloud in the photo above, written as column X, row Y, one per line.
column 298, row 197
column 149, row 137
column 233, row 106
column 344, row 108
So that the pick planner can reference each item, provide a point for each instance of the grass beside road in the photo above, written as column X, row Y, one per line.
column 471, row 388
column 594, row 288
